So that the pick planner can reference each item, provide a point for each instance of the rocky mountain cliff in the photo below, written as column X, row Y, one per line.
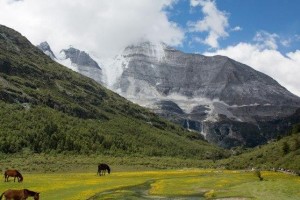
column 228, row 102
column 45, row 47
column 81, row 62
column 76, row 60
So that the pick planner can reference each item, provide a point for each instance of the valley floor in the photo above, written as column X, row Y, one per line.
column 160, row 184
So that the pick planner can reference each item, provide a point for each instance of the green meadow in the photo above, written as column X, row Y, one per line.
column 71, row 177
column 159, row 184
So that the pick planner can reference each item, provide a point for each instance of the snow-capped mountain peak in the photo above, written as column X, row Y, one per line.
column 76, row 60
column 45, row 47
column 216, row 96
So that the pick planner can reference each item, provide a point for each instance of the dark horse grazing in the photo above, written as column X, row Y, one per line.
column 102, row 169
column 19, row 194
column 14, row 173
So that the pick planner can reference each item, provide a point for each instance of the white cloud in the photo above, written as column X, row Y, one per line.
column 103, row 27
column 286, row 42
column 237, row 28
column 266, row 40
column 214, row 22
column 283, row 68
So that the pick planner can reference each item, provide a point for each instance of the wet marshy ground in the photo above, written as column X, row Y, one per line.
column 140, row 192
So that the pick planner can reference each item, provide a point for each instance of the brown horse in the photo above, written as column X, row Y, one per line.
column 19, row 194
column 102, row 169
column 14, row 173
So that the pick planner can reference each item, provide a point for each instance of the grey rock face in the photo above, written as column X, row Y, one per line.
column 227, row 101
column 80, row 58
column 194, row 75
column 82, row 63
column 77, row 60
column 44, row 46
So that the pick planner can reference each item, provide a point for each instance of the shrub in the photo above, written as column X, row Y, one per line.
column 258, row 174
column 285, row 148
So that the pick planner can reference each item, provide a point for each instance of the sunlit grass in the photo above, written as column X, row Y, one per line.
column 219, row 184
column 208, row 184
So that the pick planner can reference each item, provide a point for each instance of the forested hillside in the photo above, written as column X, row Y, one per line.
column 283, row 153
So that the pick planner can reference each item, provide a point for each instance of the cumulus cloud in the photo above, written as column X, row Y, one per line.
column 266, row 40
column 237, row 28
column 100, row 26
column 285, row 68
column 286, row 42
column 215, row 22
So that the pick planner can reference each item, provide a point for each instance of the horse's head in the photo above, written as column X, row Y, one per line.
column 36, row 196
column 20, row 179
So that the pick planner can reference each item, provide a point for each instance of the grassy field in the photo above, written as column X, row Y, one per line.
column 159, row 184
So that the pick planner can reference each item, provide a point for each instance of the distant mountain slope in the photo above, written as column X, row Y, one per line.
column 47, row 107
column 283, row 153
column 230, row 103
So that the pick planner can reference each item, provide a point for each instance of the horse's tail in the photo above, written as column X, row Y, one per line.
column 5, row 174
column 108, row 169
column 1, row 196
column 99, row 169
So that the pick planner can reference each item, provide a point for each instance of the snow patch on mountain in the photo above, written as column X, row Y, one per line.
column 154, row 50
column 113, row 69
column 77, row 60
column 144, row 94
column 63, row 60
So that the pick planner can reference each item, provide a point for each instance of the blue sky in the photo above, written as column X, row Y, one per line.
column 279, row 17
